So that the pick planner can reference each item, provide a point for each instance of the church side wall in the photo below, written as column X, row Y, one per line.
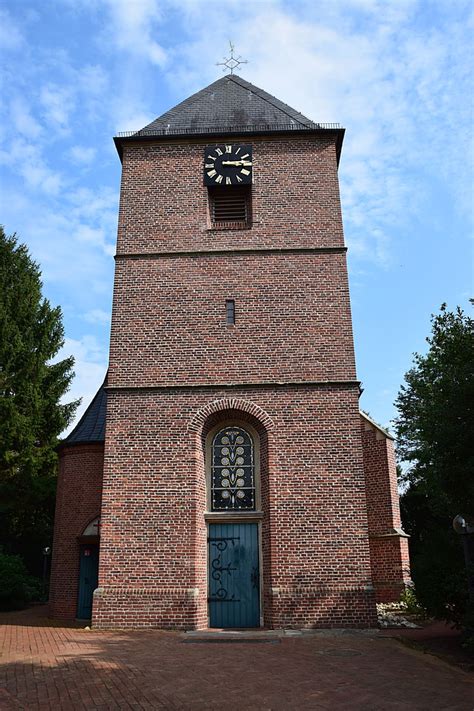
column 388, row 546
column 78, row 501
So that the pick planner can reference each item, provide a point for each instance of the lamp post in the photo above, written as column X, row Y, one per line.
column 46, row 554
column 463, row 528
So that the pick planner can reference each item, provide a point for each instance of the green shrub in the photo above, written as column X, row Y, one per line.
column 411, row 604
column 17, row 587
column 439, row 574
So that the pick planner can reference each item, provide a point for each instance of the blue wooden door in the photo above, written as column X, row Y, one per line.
column 88, row 580
column 234, row 576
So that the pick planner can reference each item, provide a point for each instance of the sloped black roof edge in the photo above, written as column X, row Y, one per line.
column 91, row 427
column 203, row 95
column 213, row 132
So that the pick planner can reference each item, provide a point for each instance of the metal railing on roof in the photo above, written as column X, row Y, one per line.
column 246, row 128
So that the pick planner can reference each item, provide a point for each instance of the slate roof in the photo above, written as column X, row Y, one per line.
column 228, row 105
column 91, row 426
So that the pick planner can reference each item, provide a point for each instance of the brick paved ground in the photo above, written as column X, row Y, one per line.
column 48, row 666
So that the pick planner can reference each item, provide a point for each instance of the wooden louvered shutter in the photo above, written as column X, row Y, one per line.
column 230, row 206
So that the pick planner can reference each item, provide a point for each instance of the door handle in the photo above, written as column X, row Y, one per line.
column 254, row 577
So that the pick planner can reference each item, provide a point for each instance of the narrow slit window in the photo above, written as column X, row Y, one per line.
column 230, row 311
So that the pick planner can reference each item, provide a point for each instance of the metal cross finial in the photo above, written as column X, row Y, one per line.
column 231, row 62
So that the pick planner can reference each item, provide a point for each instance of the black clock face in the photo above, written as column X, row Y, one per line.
column 230, row 164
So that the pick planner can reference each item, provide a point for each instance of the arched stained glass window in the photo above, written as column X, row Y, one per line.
column 232, row 470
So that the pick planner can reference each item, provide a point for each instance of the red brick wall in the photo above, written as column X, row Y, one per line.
column 295, row 197
column 293, row 320
column 78, row 502
column 169, row 338
column 388, row 547
column 315, row 546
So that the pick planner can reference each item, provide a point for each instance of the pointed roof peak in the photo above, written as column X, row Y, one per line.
column 229, row 103
column 91, row 427
column 229, row 106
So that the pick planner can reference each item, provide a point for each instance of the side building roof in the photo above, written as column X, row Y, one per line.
column 91, row 426
column 372, row 424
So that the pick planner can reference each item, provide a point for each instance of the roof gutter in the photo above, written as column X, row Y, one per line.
column 124, row 139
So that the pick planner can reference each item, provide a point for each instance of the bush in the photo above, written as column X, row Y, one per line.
column 17, row 587
column 440, row 578
column 410, row 603
column 438, row 568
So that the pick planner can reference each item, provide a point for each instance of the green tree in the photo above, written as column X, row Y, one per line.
column 435, row 432
column 31, row 415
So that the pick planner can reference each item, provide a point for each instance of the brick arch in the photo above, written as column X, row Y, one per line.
column 89, row 521
column 203, row 421
column 229, row 405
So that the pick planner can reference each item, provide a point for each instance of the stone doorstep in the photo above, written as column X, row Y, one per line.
column 268, row 635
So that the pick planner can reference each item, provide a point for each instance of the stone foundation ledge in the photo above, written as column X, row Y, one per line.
column 263, row 634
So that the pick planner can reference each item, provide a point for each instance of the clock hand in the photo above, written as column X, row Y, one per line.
column 236, row 162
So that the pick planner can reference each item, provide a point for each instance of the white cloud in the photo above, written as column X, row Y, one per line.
column 92, row 80
column 132, row 27
column 27, row 160
column 131, row 118
column 22, row 118
column 95, row 236
column 58, row 102
column 11, row 37
column 97, row 316
column 392, row 82
column 86, row 349
column 82, row 155
column 72, row 238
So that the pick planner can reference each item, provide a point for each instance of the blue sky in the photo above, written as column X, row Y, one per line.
column 397, row 74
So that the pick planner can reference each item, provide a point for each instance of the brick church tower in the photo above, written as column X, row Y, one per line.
column 234, row 491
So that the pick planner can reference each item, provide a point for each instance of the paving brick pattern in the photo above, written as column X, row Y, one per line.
column 48, row 666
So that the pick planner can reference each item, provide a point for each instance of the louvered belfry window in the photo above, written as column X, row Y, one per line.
column 229, row 207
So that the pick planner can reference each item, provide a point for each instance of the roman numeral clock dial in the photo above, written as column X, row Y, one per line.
column 230, row 164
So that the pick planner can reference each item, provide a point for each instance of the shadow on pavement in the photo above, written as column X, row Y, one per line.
column 46, row 666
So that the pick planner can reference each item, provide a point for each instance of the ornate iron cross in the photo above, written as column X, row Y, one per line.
column 231, row 62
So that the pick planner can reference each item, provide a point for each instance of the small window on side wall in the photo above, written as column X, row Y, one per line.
column 230, row 208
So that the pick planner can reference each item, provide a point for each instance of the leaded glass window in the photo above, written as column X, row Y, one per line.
column 232, row 470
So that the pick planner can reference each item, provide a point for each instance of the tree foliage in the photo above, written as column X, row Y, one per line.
column 435, row 431
column 435, row 428
column 17, row 587
column 31, row 386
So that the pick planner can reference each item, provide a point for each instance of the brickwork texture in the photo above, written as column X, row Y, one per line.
column 78, row 502
column 286, row 367
column 388, row 544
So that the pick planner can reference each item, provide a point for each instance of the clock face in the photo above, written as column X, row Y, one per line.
column 229, row 164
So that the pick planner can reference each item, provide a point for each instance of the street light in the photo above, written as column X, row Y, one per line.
column 46, row 554
column 464, row 529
